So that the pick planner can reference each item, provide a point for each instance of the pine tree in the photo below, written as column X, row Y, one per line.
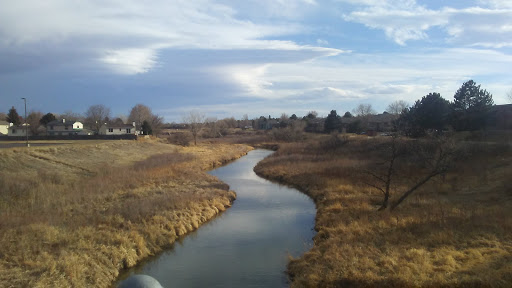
column 471, row 107
column 332, row 122
column 13, row 117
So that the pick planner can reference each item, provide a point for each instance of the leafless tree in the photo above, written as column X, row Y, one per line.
column 71, row 116
column 96, row 116
column 195, row 121
column 434, row 156
column 364, row 110
column 139, row 114
column 245, row 121
column 397, row 107
column 33, row 122
column 509, row 96
column 3, row 116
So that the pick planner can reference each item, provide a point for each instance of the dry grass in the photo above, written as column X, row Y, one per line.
column 75, row 215
column 455, row 231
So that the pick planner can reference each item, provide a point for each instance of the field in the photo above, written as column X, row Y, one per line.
column 75, row 215
column 454, row 231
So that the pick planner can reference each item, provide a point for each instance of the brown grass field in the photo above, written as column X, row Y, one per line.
column 454, row 231
column 76, row 215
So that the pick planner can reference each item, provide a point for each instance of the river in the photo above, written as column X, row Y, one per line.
column 246, row 246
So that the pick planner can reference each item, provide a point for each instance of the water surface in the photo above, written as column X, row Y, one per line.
column 246, row 246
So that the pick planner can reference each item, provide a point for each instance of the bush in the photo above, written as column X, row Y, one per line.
column 181, row 138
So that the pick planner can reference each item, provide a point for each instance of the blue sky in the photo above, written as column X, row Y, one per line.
column 257, row 57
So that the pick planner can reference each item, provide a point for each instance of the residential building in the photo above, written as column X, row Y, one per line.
column 4, row 127
column 116, row 129
column 19, row 130
column 60, row 128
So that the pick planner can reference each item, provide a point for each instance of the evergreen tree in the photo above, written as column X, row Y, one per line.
column 146, row 128
column 332, row 122
column 471, row 107
column 13, row 117
column 47, row 118
column 432, row 112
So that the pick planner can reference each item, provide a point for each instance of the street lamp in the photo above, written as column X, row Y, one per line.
column 26, row 128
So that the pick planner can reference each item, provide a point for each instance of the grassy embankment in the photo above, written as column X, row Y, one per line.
column 455, row 231
column 75, row 215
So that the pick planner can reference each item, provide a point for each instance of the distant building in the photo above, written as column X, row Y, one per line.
column 59, row 128
column 19, row 130
column 4, row 127
column 500, row 117
column 116, row 129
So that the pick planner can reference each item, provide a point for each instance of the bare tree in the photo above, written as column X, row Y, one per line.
column 434, row 156
column 195, row 121
column 139, row 114
column 71, row 116
column 33, row 122
column 509, row 96
column 397, row 107
column 364, row 110
column 96, row 116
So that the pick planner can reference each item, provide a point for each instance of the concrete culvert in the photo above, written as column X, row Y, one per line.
column 140, row 281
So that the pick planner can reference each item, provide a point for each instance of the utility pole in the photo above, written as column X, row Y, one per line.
column 26, row 127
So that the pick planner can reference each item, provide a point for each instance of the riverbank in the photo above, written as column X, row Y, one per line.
column 75, row 215
column 455, row 231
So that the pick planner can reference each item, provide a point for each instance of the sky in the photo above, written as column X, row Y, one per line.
column 256, row 57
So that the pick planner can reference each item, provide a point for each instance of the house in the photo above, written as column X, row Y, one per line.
column 117, row 129
column 19, row 130
column 4, row 127
column 60, row 128
column 381, row 122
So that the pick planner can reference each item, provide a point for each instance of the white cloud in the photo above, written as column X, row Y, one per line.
column 120, row 33
column 403, row 21
column 130, row 61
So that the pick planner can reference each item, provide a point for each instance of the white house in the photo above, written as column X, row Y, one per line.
column 4, row 127
column 57, row 127
column 116, row 129
column 19, row 130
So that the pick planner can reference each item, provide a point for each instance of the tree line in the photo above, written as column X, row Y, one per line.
column 95, row 116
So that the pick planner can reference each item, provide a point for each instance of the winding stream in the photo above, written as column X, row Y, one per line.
column 246, row 246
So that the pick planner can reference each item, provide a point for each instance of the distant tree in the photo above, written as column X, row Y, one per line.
column 33, row 120
column 509, row 96
column 117, row 121
column 139, row 113
column 364, row 110
column 397, row 107
column 293, row 117
column 347, row 115
column 312, row 115
column 13, row 117
column 332, row 122
column 3, row 116
column 355, row 126
column 195, row 121
column 71, row 116
column 146, row 128
column 96, row 116
column 245, row 121
column 47, row 118
column 471, row 107
column 157, row 122
column 432, row 112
